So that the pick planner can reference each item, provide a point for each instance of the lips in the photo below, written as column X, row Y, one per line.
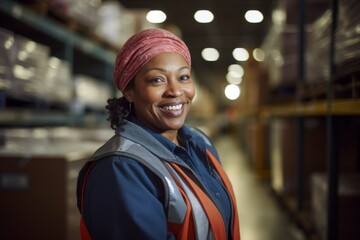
column 173, row 109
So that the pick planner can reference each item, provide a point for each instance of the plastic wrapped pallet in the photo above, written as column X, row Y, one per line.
column 291, row 10
column 57, row 84
column 281, row 48
column 281, row 45
column 318, row 50
column 7, row 50
column 29, row 67
column 348, row 35
column 91, row 92
column 116, row 24
column 82, row 11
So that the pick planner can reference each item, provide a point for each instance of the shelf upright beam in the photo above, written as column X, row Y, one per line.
column 332, row 160
column 108, row 73
column 69, row 53
column 299, row 119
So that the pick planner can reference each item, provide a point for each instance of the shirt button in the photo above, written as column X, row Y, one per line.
column 217, row 195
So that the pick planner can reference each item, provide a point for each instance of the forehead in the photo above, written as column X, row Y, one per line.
column 166, row 59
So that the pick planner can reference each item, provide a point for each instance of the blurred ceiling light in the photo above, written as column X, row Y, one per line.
column 258, row 54
column 235, row 74
column 236, row 68
column 210, row 54
column 233, row 78
column 254, row 16
column 240, row 54
column 232, row 92
column 204, row 16
column 156, row 16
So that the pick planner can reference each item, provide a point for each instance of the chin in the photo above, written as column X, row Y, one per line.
column 175, row 125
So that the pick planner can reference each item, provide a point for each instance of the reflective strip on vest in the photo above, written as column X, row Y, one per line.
column 202, row 229
column 176, row 207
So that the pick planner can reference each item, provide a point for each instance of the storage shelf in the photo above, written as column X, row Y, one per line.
column 53, row 29
column 81, row 52
column 32, row 118
column 320, row 108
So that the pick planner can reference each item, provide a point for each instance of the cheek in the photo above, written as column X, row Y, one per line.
column 150, row 97
column 190, row 92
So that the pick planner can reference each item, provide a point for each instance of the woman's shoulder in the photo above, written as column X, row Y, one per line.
column 195, row 131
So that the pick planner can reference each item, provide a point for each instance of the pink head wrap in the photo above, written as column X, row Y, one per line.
column 140, row 49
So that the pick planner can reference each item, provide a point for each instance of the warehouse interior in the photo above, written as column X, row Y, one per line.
column 289, row 139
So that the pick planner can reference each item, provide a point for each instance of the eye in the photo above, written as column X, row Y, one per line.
column 157, row 80
column 184, row 77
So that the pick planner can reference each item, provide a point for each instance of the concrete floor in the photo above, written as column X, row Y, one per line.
column 261, row 216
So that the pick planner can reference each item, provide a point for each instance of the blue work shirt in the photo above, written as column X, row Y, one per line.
column 126, row 198
column 194, row 155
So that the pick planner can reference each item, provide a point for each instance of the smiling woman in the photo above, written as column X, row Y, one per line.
column 156, row 178
column 162, row 94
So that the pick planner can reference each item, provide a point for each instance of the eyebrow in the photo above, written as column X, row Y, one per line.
column 164, row 70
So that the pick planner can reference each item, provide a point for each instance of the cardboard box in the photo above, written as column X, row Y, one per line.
column 348, row 205
column 37, row 188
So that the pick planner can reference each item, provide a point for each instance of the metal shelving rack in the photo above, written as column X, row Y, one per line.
column 53, row 29
column 330, row 109
column 70, row 42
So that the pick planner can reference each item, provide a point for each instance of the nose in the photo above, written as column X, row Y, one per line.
column 173, row 89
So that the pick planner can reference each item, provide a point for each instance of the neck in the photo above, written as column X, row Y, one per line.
column 172, row 136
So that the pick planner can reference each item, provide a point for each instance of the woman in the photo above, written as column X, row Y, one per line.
column 156, row 178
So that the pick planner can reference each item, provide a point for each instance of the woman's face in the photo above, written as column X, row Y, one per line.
column 162, row 92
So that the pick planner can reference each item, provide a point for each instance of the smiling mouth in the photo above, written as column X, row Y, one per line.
column 173, row 108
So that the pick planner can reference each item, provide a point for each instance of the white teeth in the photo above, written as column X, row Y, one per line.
column 171, row 108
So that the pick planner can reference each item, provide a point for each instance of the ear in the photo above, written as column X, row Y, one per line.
column 129, row 94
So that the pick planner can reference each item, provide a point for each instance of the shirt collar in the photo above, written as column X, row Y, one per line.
column 184, row 133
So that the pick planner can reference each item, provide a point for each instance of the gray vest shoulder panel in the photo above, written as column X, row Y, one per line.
column 118, row 145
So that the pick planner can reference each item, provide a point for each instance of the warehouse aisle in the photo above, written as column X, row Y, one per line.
column 261, row 217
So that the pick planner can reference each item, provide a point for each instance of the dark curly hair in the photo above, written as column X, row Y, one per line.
column 119, row 109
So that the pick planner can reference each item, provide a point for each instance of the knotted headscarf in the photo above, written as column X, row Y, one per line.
column 140, row 49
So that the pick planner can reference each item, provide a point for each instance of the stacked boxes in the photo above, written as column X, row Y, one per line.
column 347, row 44
column 348, row 34
column 58, row 81
column 38, row 175
column 281, row 47
column 348, row 205
column 90, row 92
column 29, row 67
column 28, row 72
column 318, row 49
column 283, row 152
column 282, row 42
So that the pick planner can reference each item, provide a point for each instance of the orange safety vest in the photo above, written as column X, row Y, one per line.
column 186, row 229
